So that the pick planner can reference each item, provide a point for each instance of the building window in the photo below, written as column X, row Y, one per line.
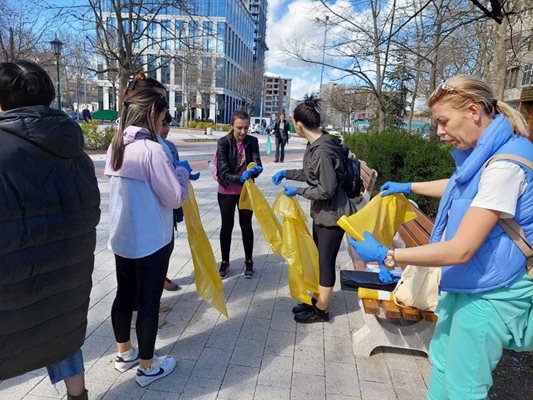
column 527, row 78
column 511, row 78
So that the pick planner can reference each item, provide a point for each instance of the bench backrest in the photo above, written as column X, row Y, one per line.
column 369, row 177
column 417, row 231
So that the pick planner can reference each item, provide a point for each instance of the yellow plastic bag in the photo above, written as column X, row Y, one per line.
column 298, row 248
column 382, row 216
column 208, row 283
column 252, row 199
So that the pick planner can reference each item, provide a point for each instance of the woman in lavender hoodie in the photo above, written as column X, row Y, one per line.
column 144, row 189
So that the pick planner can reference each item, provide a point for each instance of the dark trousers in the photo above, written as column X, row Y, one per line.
column 227, row 204
column 280, row 149
column 140, row 283
column 328, row 240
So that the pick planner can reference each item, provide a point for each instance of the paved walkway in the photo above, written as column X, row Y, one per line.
column 258, row 353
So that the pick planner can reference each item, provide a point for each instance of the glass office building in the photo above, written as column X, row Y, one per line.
column 198, row 53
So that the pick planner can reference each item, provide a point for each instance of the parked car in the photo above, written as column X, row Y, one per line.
column 73, row 115
column 174, row 123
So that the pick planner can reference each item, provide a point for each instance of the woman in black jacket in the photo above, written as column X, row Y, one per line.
column 234, row 152
column 323, row 169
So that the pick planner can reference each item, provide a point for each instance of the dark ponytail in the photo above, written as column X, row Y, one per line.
column 308, row 112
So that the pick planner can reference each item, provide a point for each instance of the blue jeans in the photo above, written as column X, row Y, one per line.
column 66, row 368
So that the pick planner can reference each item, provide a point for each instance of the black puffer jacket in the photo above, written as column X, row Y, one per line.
column 323, row 168
column 49, row 209
column 228, row 158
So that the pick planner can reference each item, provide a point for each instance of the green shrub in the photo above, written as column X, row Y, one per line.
column 402, row 157
column 192, row 124
column 96, row 139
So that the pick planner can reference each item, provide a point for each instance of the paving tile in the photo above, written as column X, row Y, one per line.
column 16, row 388
column 271, row 393
column 400, row 359
column 256, row 328
column 307, row 387
column 176, row 381
column 276, row 371
column 190, row 345
column 424, row 366
column 239, row 383
column 376, row 391
column 212, row 363
column 280, row 343
column 410, row 394
column 199, row 388
column 338, row 349
column 309, row 360
column 225, row 333
column 248, row 352
column 373, row 369
column 342, row 379
column 407, row 380
column 330, row 396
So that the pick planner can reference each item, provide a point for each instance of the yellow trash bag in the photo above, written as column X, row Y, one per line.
column 208, row 283
column 252, row 199
column 382, row 216
column 298, row 248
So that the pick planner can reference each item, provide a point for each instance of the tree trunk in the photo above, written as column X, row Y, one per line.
column 499, row 55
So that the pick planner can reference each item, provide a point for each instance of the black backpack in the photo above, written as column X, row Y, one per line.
column 351, row 181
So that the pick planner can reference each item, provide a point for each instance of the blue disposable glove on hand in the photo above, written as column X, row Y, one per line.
column 183, row 164
column 290, row 191
column 395, row 187
column 278, row 177
column 194, row 177
column 256, row 170
column 246, row 175
column 369, row 249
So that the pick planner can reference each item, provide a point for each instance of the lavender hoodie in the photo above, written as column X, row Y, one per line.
column 143, row 193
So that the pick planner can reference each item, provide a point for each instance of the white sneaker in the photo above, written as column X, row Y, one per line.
column 160, row 368
column 125, row 361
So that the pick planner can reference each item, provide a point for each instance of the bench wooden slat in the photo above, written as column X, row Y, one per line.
column 371, row 306
column 411, row 313
column 391, row 310
column 429, row 316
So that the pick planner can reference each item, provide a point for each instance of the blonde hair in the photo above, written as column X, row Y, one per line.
column 461, row 90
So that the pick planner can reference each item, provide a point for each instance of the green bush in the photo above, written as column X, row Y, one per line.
column 402, row 157
column 96, row 139
column 192, row 124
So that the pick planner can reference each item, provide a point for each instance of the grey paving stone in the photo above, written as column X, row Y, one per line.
column 307, row 387
column 280, row 343
column 157, row 395
column 407, row 380
column 190, row 345
column 225, row 333
column 212, row 363
column 339, row 327
column 400, row 359
column 46, row 389
column 283, row 320
column 338, row 349
column 424, row 366
column 373, row 369
column 330, row 396
column 176, row 381
column 276, row 371
column 199, row 388
column 410, row 394
column 309, row 360
column 376, row 391
column 125, row 388
column 310, row 339
column 16, row 388
column 239, row 383
column 256, row 328
column 271, row 393
column 341, row 379
column 248, row 352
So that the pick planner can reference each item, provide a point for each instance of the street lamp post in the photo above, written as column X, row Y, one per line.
column 323, row 49
column 56, row 48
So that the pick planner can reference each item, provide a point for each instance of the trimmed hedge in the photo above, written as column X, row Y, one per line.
column 94, row 138
column 403, row 157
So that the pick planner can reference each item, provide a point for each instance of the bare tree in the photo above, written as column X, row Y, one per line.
column 249, row 84
column 348, row 101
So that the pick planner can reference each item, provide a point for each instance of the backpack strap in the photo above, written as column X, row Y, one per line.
column 510, row 226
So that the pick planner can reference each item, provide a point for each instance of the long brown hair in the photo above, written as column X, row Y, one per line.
column 143, row 102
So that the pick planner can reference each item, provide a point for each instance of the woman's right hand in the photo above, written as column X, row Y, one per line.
column 390, row 187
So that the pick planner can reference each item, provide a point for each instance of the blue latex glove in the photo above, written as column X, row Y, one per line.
column 194, row 177
column 278, row 177
column 290, row 191
column 395, row 187
column 183, row 164
column 369, row 249
column 385, row 275
column 246, row 175
column 256, row 170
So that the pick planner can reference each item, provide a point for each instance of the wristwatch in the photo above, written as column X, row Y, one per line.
column 389, row 261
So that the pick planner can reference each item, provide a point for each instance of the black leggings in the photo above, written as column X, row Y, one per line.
column 328, row 239
column 227, row 204
column 140, row 283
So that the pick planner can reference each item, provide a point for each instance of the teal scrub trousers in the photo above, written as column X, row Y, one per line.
column 471, row 333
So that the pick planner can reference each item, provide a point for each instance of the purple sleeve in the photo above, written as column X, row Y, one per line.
column 168, row 183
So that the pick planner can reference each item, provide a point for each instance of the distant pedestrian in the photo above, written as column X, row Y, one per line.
column 234, row 152
column 50, row 206
column 281, row 132
column 86, row 115
column 144, row 189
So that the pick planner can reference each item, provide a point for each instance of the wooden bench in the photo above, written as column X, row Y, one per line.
column 387, row 324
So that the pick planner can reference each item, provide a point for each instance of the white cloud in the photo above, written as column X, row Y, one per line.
column 301, row 87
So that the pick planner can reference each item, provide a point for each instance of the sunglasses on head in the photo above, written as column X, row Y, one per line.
column 139, row 76
column 443, row 88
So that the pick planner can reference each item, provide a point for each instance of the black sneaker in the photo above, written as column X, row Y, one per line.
column 303, row 306
column 224, row 269
column 248, row 269
column 312, row 314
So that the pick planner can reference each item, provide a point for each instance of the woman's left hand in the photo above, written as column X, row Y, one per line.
column 369, row 249
column 290, row 191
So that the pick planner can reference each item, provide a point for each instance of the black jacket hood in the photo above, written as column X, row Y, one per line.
column 51, row 130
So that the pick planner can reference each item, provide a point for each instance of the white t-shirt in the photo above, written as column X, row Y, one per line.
column 500, row 186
